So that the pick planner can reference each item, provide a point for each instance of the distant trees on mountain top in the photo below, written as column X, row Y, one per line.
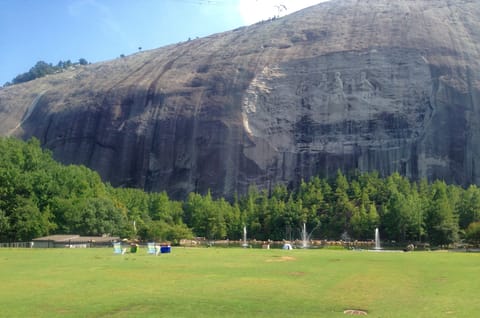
column 42, row 68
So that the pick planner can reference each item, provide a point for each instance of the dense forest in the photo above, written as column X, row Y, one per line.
column 39, row 196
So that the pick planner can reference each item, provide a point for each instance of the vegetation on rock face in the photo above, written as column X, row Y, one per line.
column 41, row 69
column 39, row 196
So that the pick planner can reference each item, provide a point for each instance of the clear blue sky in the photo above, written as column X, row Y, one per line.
column 98, row 30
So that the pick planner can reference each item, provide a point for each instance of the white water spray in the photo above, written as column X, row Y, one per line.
column 304, row 236
column 377, row 239
column 244, row 237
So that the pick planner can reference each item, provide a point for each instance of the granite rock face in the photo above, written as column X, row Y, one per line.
column 348, row 84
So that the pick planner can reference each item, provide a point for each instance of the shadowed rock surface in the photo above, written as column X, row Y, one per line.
column 347, row 84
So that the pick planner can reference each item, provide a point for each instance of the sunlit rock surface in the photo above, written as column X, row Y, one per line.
column 348, row 84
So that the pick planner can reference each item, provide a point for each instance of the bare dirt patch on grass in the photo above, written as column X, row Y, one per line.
column 281, row 259
column 355, row 312
column 297, row 273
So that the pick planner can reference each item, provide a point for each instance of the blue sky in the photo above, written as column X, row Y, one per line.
column 98, row 30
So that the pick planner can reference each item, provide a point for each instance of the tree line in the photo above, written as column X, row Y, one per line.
column 39, row 196
column 42, row 68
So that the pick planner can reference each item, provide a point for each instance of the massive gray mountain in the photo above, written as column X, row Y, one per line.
column 351, row 84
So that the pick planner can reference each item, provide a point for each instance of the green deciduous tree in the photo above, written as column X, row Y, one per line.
column 472, row 233
column 469, row 207
column 441, row 222
column 204, row 216
column 39, row 196
column 27, row 222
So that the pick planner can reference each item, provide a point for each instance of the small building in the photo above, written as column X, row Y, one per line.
column 73, row 241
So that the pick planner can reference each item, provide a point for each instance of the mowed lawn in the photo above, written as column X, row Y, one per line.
column 236, row 282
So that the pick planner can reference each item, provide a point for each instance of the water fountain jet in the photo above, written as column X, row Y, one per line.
column 305, row 236
column 245, row 244
column 377, row 240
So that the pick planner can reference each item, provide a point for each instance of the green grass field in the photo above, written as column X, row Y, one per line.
column 236, row 282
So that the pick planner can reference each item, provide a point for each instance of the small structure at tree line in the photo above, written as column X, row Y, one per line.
column 74, row 241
